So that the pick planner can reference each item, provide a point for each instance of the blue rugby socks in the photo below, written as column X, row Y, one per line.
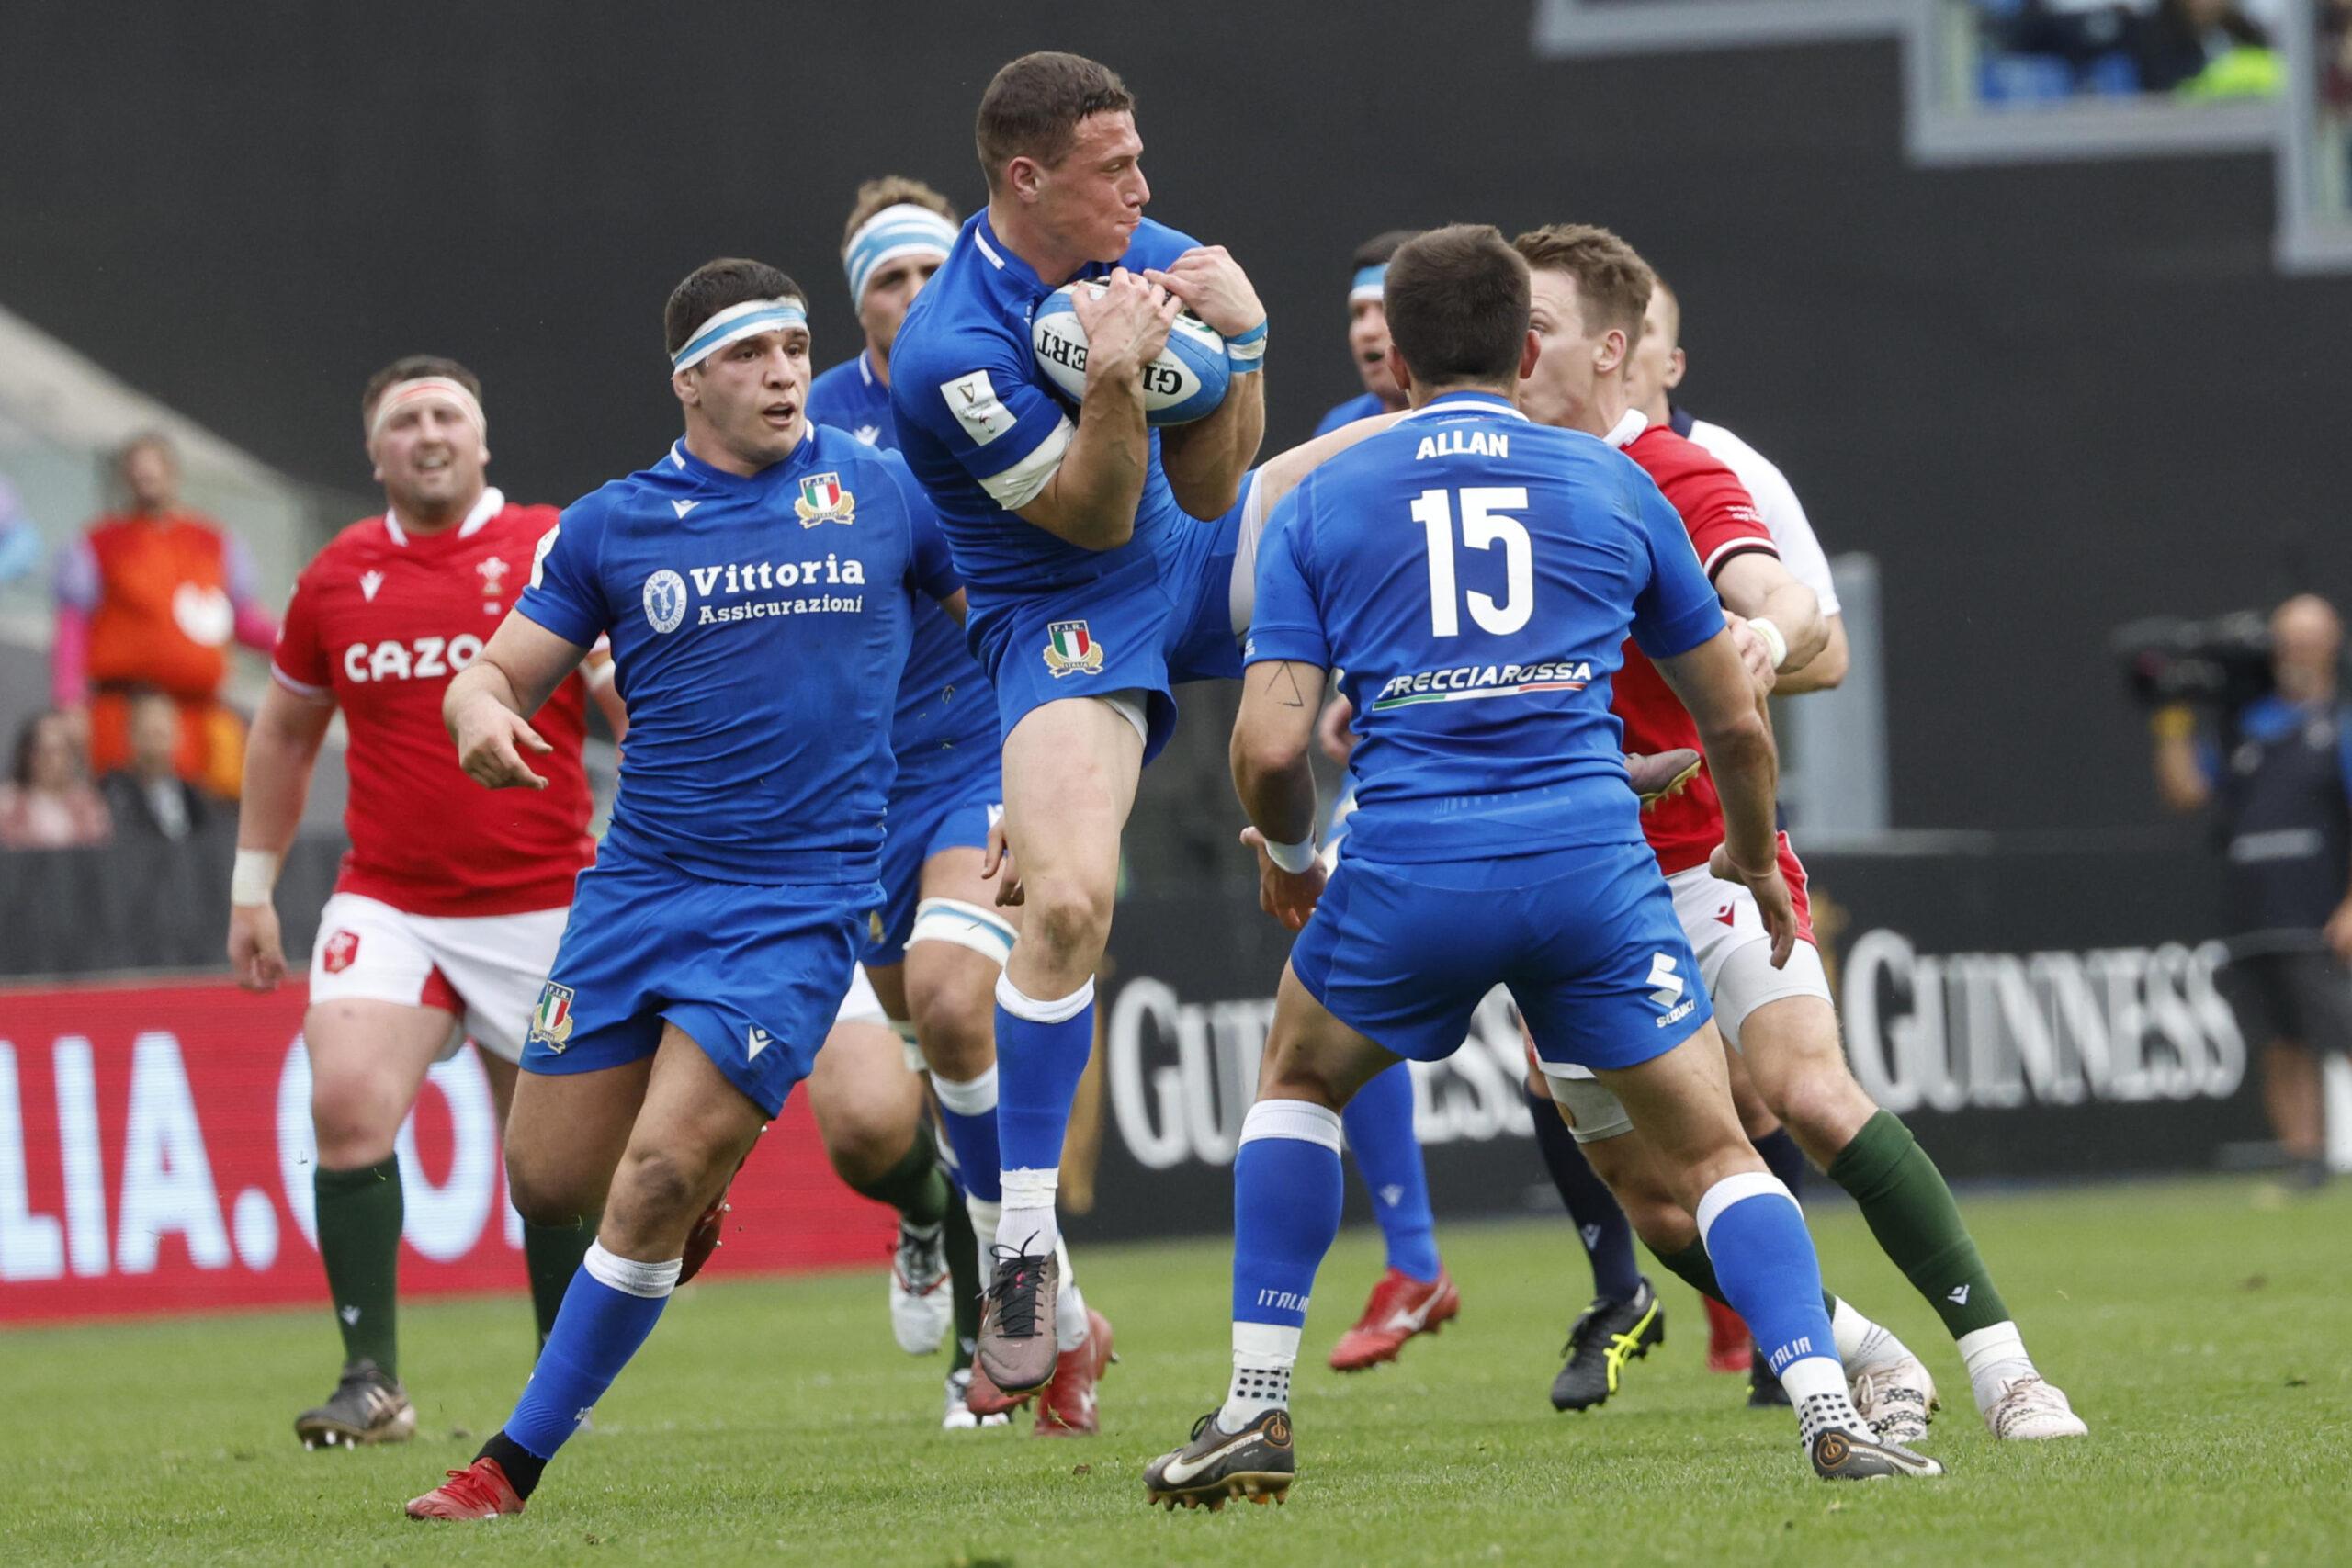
column 1764, row 1260
column 1602, row 1225
column 1379, row 1122
column 1286, row 1195
column 968, row 1111
column 1041, row 1051
column 611, row 1307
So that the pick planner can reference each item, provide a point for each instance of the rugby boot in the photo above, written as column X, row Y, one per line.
column 481, row 1491
column 1066, row 1409
column 1399, row 1307
column 984, row 1399
column 1602, row 1341
column 959, row 1415
column 922, row 1303
column 1215, row 1465
column 1016, row 1346
column 1839, row 1455
column 366, row 1407
column 1727, row 1337
column 1764, row 1390
column 1897, row 1399
column 2031, row 1410
column 1661, row 774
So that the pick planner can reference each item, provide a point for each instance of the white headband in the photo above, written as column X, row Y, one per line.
column 890, row 234
column 420, row 388
column 746, row 320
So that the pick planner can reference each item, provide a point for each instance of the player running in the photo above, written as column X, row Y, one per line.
column 1481, row 671
column 1368, row 333
column 755, row 583
column 934, row 948
column 1093, row 587
column 445, row 917
column 1589, row 292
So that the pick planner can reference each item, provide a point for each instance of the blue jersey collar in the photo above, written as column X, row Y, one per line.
column 1465, row 402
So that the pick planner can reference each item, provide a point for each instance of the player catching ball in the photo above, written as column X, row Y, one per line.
column 446, row 916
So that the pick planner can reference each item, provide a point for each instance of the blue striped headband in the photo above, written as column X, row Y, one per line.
column 1371, row 283
column 894, row 233
column 750, row 317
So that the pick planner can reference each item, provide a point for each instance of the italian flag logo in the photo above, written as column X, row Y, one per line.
column 822, row 500
column 1070, row 649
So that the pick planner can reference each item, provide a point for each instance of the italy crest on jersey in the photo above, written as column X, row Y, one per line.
column 1070, row 649
column 822, row 500
column 551, row 1020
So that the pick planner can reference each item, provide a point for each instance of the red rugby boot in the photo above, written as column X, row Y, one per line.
column 1727, row 1338
column 1400, row 1307
column 481, row 1491
column 1065, row 1408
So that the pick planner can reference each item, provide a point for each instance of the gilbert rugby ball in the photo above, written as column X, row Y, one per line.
column 1184, row 383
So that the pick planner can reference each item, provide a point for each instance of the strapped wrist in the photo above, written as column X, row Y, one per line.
column 1774, row 642
column 1292, row 858
column 1245, row 353
column 252, row 877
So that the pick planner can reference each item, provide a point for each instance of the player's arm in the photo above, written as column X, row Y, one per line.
column 1764, row 593
column 1824, row 669
column 597, row 672
column 1206, row 460
column 280, row 752
column 1090, row 499
column 2181, row 775
column 1270, row 739
column 487, row 706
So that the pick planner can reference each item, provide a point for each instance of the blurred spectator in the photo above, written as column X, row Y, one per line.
column 151, row 597
column 147, row 798
column 2335, row 54
column 2205, row 48
column 48, row 803
column 2278, row 772
column 19, row 541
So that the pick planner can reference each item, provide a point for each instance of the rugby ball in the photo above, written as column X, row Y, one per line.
column 1184, row 383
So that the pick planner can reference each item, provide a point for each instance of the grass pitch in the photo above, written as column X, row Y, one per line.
column 2202, row 1329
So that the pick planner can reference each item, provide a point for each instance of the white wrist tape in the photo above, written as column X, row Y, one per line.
column 1774, row 643
column 1293, row 858
column 252, row 877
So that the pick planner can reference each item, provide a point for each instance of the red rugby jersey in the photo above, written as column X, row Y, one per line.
column 378, row 623
column 1723, row 523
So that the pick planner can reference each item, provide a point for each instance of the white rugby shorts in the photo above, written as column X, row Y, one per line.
column 1725, row 929
column 485, row 969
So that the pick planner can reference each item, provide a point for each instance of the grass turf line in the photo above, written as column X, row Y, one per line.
column 2200, row 1330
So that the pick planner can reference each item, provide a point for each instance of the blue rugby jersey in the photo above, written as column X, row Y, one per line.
column 984, row 430
column 945, row 719
column 1363, row 405
column 759, row 626
column 1476, row 575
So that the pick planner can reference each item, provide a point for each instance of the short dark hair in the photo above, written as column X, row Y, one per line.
column 1034, row 104
column 408, row 367
column 893, row 190
column 713, row 286
column 1613, row 283
column 1457, row 305
column 1380, row 248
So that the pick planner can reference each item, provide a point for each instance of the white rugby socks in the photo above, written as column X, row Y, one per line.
column 1263, row 1354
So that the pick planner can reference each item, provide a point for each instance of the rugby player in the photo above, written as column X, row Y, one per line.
column 1481, row 670
column 445, row 917
column 1589, row 293
column 1655, row 367
column 935, row 946
column 1093, row 590
column 1368, row 334
column 713, row 940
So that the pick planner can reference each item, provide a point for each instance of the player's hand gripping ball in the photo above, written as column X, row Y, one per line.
column 1185, row 382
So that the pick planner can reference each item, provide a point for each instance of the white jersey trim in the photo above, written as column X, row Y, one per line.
column 492, row 503
column 301, row 689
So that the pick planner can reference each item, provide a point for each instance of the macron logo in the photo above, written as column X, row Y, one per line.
column 756, row 1040
column 683, row 507
column 1957, row 1295
column 369, row 582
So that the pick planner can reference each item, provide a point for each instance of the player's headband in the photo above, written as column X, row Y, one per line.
column 1370, row 286
column 889, row 235
column 746, row 320
column 428, row 388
